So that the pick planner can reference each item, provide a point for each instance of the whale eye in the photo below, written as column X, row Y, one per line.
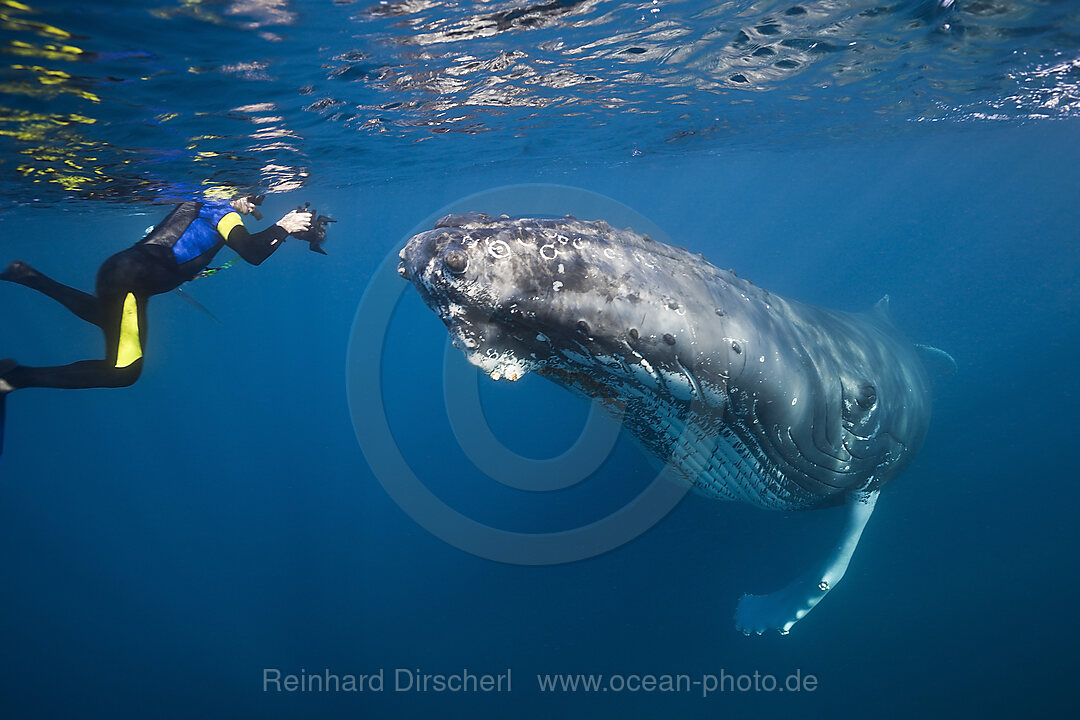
column 867, row 396
column 456, row 261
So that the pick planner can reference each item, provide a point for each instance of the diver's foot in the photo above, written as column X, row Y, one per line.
column 17, row 272
column 6, row 366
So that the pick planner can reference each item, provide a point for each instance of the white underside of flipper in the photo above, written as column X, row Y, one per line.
column 782, row 609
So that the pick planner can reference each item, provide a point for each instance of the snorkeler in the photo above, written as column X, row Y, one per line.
column 174, row 252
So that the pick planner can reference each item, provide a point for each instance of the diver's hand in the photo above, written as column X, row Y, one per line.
column 296, row 221
column 243, row 205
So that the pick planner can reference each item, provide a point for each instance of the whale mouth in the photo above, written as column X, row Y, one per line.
column 500, row 366
column 493, row 349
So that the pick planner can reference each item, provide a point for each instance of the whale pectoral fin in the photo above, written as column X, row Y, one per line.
column 782, row 609
column 937, row 360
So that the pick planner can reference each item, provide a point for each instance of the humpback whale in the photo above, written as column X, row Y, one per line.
column 746, row 395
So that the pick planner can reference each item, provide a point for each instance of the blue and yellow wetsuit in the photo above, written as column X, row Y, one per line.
column 174, row 252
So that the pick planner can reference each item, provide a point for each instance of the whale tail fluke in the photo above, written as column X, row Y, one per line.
column 939, row 362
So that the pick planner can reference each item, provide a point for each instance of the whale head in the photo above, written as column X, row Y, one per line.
column 581, row 302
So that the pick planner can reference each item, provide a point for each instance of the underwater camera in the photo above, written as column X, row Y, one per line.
column 317, row 234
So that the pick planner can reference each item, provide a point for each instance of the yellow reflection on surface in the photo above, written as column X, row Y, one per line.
column 188, row 8
column 49, row 83
column 10, row 21
column 45, row 52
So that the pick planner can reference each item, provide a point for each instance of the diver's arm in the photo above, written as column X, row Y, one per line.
column 254, row 248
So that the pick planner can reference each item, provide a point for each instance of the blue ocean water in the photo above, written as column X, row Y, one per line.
column 167, row 544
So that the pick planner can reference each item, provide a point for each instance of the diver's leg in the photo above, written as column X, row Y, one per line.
column 125, row 336
column 782, row 609
column 76, row 376
column 83, row 305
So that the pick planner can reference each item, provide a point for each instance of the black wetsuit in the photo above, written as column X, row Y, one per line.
column 181, row 246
